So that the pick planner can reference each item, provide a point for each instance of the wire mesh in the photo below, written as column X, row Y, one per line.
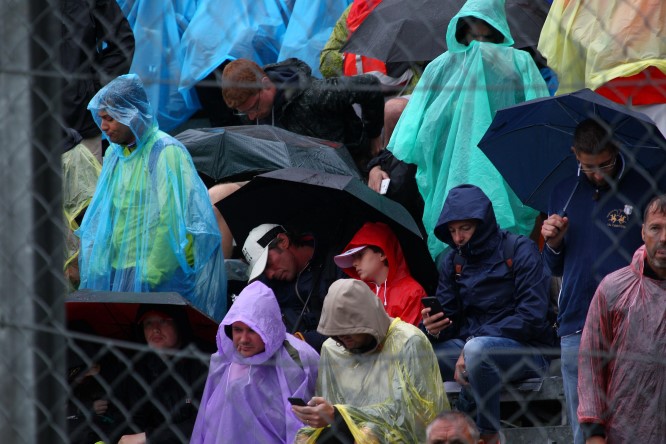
column 61, row 385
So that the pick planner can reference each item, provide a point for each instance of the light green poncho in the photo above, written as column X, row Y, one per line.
column 451, row 109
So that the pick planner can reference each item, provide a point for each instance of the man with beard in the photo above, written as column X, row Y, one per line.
column 624, row 340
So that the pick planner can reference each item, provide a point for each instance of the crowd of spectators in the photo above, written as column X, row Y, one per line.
column 329, row 340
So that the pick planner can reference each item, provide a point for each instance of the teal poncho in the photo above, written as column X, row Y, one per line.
column 450, row 110
column 150, row 225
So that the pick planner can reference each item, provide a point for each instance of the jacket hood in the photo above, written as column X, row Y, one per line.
column 125, row 99
column 492, row 12
column 257, row 308
column 350, row 307
column 291, row 77
column 469, row 202
column 380, row 235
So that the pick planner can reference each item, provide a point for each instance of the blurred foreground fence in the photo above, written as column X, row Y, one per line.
column 39, row 382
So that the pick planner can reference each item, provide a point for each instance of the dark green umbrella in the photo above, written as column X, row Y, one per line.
column 240, row 152
column 329, row 205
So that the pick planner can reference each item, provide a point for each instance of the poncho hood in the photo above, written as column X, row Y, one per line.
column 350, row 307
column 380, row 235
column 126, row 101
column 257, row 308
column 492, row 12
column 469, row 202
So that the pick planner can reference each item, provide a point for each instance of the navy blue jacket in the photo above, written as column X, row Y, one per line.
column 604, row 231
column 497, row 300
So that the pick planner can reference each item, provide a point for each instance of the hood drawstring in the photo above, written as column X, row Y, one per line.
column 378, row 287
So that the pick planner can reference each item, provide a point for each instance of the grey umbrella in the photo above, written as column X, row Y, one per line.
column 241, row 152
column 415, row 31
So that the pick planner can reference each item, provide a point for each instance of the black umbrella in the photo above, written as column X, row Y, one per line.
column 415, row 31
column 530, row 143
column 329, row 205
column 239, row 152
column 113, row 314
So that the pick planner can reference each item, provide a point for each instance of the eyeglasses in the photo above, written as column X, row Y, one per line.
column 157, row 323
column 598, row 168
column 254, row 109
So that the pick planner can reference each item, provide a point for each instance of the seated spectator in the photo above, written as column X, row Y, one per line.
column 624, row 341
column 378, row 378
column 162, row 389
column 91, row 415
column 258, row 366
column 374, row 255
column 286, row 95
column 493, row 288
column 299, row 268
column 453, row 428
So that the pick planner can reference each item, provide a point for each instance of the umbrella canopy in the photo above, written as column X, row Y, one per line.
column 395, row 33
column 240, row 152
column 530, row 143
column 113, row 314
column 328, row 205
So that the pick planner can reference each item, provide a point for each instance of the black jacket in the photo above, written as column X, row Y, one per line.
column 324, row 108
column 97, row 45
column 163, row 397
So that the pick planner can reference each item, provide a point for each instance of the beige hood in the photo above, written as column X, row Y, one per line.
column 350, row 307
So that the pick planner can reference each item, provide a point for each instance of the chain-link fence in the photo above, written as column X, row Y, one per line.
column 76, row 384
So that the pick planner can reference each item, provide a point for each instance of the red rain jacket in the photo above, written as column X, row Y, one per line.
column 401, row 293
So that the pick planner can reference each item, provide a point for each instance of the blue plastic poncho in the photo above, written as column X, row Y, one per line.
column 231, row 29
column 245, row 399
column 158, row 28
column 309, row 28
column 450, row 110
column 150, row 225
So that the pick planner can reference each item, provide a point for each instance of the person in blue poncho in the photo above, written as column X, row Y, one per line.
column 452, row 107
column 149, row 226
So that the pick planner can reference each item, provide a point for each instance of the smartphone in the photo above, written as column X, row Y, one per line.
column 383, row 188
column 433, row 303
column 297, row 401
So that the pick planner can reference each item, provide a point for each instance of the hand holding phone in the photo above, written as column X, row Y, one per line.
column 297, row 401
column 432, row 303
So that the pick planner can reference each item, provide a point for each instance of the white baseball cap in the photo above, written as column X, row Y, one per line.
column 256, row 246
column 346, row 259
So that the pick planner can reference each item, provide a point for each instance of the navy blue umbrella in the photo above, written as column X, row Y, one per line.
column 530, row 143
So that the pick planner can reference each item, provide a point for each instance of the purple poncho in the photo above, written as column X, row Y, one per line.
column 245, row 399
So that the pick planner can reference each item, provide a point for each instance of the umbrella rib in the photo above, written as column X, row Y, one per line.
column 544, row 180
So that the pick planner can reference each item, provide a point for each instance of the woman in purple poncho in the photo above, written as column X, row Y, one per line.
column 257, row 367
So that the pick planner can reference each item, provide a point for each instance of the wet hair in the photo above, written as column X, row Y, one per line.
column 464, row 23
column 455, row 416
column 241, row 79
column 594, row 136
column 656, row 205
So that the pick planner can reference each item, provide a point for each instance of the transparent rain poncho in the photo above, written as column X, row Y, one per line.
column 451, row 109
column 387, row 395
column 150, row 225
column 80, row 171
column 621, row 369
column 591, row 42
column 245, row 399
